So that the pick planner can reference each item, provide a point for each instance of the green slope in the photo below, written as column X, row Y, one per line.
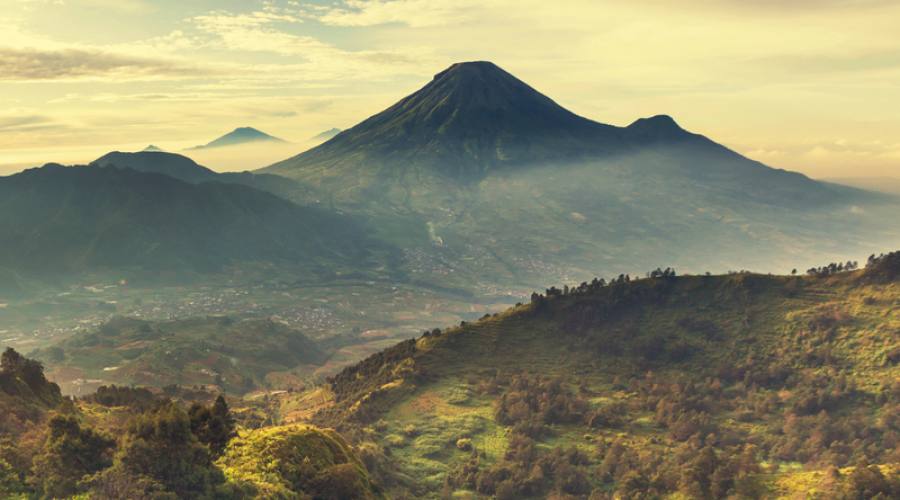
column 624, row 388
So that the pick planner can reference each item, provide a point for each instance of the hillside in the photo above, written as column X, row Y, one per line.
column 487, row 184
column 58, row 221
column 232, row 354
column 705, row 385
column 25, row 394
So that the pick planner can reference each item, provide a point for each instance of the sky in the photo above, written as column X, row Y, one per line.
column 807, row 85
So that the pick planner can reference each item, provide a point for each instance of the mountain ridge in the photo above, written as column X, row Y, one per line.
column 58, row 221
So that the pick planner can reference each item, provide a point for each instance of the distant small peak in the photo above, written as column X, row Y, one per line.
column 657, row 128
column 658, row 122
column 151, row 149
column 328, row 134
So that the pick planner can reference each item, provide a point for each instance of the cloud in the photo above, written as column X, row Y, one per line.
column 272, row 30
column 69, row 64
column 23, row 122
column 860, row 61
column 415, row 13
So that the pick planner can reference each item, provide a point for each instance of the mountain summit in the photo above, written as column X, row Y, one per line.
column 469, row 120
column 240, row 135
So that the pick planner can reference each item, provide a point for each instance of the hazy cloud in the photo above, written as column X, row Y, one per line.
column 16, row 123
column 31, row 64
column 416, row 13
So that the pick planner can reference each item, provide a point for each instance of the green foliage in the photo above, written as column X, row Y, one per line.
column 10, row 480
column 213, row 425
column 25, row 394
column 133, row 397
column 159, row 448
column 295, row 462
column 70, row 453
column 698, row 387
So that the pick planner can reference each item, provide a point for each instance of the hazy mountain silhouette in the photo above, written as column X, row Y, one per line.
column 474, row 118
column 494, row 179
column 328, row 134
column 468, row 119
column 241, row 135
column 152, row 149
column 171, row 164
column 183, row 168
column 60, row 220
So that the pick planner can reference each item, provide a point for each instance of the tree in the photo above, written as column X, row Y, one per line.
column 213, row 426
column 10, row 360
column 159, row 447
column 69, row 454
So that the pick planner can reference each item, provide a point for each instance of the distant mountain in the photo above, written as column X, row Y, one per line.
column 328, row 134
column 152, row 149
column 241, row 135
column 469, row 119
column 158, row 162
column 491, row 180
column 185, row 169
column 475, row 119
column 58, row 221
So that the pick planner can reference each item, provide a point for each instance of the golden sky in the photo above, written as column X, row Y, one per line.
column 809, row 85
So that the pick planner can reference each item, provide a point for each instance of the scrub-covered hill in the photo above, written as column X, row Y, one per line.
column 705, row 386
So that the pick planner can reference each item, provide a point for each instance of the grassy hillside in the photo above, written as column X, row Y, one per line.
column 699, row 386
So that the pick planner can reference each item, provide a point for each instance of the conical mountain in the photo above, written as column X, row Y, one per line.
column 471, row 119
column 240, row 135
column 500, row 181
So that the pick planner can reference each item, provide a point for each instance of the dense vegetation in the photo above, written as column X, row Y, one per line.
column 131, row 443
column 740, row 386
column 232, row 354
column 701, row 386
